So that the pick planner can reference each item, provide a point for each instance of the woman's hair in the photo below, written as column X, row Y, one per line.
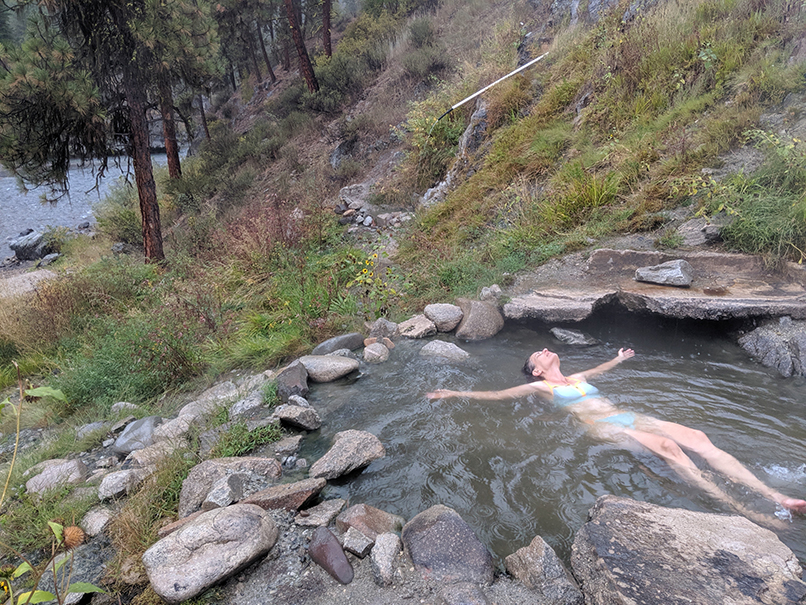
column 528, row 368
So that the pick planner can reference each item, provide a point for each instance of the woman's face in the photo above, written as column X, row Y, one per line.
column 543, row 360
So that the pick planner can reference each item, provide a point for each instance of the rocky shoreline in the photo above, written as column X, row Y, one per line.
column 253, row 530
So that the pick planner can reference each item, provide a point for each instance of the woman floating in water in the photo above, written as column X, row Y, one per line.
column 665, row 439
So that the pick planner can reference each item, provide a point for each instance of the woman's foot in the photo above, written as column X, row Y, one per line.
column 793, row 504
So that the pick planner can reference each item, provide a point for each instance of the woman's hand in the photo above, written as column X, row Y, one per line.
column 625, row 354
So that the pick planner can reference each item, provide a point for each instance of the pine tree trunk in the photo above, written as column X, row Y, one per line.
column 169, row 130
column 326, row 28
column 265, row 54
column 305, row 67
column 250, row 46
column 286, row 55
column 203, row 118
column 143, row 174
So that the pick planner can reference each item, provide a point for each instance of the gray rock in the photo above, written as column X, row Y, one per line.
column 383, row 558
column 48, row 259
column 327, row 368
column 92, row 427
column 326, row 552
column 122, row 483
column 354, row 196
column 225, row 491
column 137, row 435
column 86, row 563
column 351, row 341
column 369, row 520
column 376, row 353
column 300, row 401
column 249, row 406
column 210, row 401
column 96, row 520
column 351, row 450
column 214, row 546
column 122, row 407
column 305, row 418
column 157, row 452
column 290, row 496
column 779, row 344
column 539, row 568
column 382, row 327
column 481, row 320
column 476, row 130
column 202, row 478
column 321, row 514
column 418, row 326
column 445, row 317
column 634, row 552
column 175, row 429
column 292, row 381
column 491, row 294
column 56, row 476
column 671, row 273
column 442, row 546
column 29, row 247
column 574, row 337
column 344, row 353
column 357, row 543
column 447, row 351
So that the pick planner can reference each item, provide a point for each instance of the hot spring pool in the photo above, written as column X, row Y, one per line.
column 516, row 469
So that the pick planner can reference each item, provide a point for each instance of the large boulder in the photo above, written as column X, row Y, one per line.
column 481, row 320
column 376, row 353
column 255, row 474
column 292, row 381
column 351, row 450
column 56, row 476
column 634, row 552
column 445, row 317
column 30, row 247
column 137, row 435
column 383, row 328
column 326, row 368
column 302, row 417
column 444, row 351
column 216, row 545
column 442, row 546
column 418, row 326
column 779, row 344
column 351, row 341
column 539, row 568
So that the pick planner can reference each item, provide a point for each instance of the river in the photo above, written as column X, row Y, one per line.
column 20, row 210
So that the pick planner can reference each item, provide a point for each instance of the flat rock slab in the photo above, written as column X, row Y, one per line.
column 634, row 552
column 725, row 286
column 351, row 341
column 326, row 368
column 369, row 520
column 442, row 546
column 212, row 547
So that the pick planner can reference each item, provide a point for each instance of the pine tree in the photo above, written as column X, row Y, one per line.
column 78, row 87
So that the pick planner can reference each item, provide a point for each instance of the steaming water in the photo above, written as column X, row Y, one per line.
column 521, row 468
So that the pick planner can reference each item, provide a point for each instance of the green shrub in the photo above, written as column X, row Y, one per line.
column 425, row 61
column 238, row 440
column 118, row 215
column 422, row 33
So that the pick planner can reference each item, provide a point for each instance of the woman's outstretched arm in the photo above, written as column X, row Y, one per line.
column 511, row 393
column 608, row 365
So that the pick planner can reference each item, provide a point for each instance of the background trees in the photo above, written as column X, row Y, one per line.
column 79, row 87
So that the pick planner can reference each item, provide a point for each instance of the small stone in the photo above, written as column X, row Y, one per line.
column 357, row 543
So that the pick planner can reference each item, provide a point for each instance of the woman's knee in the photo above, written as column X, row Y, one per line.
column 668, row 448
column 700, row 441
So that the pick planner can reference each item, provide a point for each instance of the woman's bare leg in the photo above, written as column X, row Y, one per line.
column 698, row 442
column 676, row 458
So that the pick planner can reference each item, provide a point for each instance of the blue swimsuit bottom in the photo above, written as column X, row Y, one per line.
column 625, row 419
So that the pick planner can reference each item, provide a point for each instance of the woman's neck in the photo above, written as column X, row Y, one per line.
column 556, row 378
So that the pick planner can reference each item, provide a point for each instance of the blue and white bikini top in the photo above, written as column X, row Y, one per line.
column 569, row 394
